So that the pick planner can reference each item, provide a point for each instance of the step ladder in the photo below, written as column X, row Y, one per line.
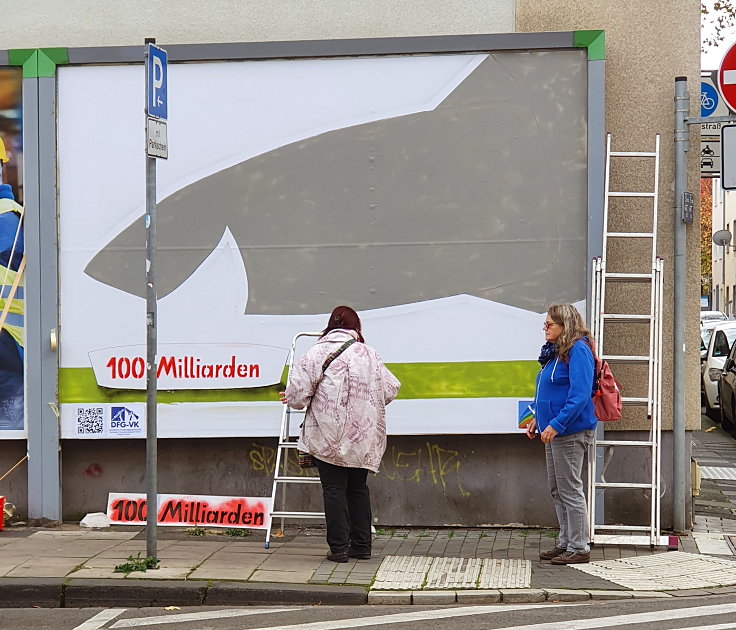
column 651, row 357
column 285, row 444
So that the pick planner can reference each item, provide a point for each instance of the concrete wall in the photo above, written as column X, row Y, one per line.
column 463, row 479
column 95, row 23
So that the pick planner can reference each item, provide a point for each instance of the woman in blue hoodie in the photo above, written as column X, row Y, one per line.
column 565, row 420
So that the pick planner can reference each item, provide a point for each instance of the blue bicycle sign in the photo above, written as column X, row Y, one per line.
column 708, row 99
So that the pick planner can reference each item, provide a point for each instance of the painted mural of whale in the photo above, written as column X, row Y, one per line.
column 484, row 195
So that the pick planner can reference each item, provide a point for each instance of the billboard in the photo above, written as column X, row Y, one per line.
column 12, row 259
column 444, row 197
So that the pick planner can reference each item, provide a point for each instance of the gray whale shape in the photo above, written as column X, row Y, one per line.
column 485, row 195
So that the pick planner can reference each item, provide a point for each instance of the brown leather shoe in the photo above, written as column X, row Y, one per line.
column 571, row 557
column 551, row 553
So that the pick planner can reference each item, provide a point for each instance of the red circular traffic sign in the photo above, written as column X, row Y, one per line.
column 727, row 77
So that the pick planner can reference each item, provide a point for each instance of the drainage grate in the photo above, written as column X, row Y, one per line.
column 717, row 472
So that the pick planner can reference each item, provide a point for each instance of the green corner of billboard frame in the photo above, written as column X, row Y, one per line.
column 38, row 62
column 594, row 41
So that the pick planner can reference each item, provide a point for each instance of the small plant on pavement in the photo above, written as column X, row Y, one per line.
column 137, row 564
column 236, row 531
column 195, row 531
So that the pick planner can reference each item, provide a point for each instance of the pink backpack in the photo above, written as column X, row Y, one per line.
column 606, row 394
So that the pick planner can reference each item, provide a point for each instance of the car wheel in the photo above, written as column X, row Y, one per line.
column 713, row 413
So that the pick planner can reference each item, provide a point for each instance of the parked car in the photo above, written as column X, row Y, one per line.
column 719, row 347
column 706, row 332
column 706, row 316
column 727, row 392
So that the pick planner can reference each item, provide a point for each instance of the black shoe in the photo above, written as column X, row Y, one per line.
column 337, row 557
column 364, row 555
column 551, row 553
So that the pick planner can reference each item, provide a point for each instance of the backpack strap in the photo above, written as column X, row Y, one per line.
column 336, row 354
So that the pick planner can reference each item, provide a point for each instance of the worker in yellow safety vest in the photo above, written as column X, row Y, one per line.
column 12, row 305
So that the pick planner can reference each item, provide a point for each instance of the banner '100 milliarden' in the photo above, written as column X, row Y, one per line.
column 191, row 510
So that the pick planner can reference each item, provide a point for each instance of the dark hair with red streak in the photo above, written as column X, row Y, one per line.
column 345, row 318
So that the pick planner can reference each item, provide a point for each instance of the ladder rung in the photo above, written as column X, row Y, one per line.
column 622, row 443
column 627, row 318
column 629, row 277
column 631, row 234
column 287, row 444
column 296, row 479
column 613, row 358
column 283, row 514
column 630, row 539
column 624, row 528
column 632, row 154
column 630, row 194
column 606, row 484
column 297, row 411
column 633, row 400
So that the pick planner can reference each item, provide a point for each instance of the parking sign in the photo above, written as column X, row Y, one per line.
column 156, row 80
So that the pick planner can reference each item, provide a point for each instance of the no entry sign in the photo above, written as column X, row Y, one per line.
column 727, row 77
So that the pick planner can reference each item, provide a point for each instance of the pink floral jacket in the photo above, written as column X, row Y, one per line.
column 345, row 423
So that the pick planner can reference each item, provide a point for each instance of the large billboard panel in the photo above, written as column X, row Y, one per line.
column 444, row 197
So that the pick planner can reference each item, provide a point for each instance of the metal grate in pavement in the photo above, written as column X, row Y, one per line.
column 416, row 573
column 664, row 571
column 453, row 573
column 717, row 472
column 506, row 574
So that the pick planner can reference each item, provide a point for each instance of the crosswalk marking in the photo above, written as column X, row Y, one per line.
column 198, row 616
column 100, row 619
column 424, row 615
column 635, row 618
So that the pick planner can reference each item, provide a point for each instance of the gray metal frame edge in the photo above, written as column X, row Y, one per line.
column 41, row 294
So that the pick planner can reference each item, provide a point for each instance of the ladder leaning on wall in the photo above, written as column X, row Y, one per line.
column 286, row 443
column 651, row 279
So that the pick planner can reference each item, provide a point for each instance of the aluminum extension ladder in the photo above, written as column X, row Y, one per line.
column 286, row 443
column 621, row 533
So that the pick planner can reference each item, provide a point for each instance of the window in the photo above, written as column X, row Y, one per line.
column 723, row 341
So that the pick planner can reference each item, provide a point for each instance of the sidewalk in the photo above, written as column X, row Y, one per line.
column 74, row 567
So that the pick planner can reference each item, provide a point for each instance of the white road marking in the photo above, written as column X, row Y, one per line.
column 635, row 618
column 424, row 615
column 100, row 619
column 198, row 616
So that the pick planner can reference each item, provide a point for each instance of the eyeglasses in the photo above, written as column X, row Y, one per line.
column 546, row 325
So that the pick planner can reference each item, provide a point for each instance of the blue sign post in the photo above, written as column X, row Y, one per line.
column 156, row 82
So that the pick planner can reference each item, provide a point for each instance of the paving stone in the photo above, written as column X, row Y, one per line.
column 478, row 596
column 381, row 598
column 433, row 597
column 649, row 594
column 566, row 595
column 523, row 595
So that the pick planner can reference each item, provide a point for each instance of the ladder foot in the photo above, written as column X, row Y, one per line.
column 266, row 545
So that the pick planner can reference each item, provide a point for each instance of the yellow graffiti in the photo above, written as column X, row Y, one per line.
column 263, row 460
column 432, row 462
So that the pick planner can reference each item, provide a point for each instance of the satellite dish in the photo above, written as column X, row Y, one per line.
column 722, row 238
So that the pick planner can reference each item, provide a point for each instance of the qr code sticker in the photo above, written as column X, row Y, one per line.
column 89, row 420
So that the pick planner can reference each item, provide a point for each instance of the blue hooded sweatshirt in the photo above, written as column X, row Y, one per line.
column 563, row 399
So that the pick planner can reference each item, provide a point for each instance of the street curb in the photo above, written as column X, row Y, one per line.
column 31, row 592
column 130, row 593
column 246, row 593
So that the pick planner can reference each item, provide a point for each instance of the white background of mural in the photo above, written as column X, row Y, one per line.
column 246, row 109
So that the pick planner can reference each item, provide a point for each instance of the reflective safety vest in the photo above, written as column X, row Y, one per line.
column 14, row 320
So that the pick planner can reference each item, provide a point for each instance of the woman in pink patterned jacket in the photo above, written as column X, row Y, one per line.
column 344, row 427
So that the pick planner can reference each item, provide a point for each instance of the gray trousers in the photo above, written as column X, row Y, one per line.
column 565, row 456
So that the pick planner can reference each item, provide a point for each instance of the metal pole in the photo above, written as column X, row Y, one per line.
column 151, row 383
column 679, row 452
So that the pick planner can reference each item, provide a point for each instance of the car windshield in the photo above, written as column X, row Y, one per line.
column 723, row 342
column 705, row 336
column 711, row 315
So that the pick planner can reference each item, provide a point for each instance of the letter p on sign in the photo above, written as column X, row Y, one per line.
column 156, row 83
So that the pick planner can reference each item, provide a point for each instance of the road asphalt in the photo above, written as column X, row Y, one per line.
column 73, row 566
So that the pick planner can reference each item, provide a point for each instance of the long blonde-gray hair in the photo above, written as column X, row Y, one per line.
column 573, row 328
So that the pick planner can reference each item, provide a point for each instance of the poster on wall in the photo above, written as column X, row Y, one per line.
column 444, row 197
column 12, row 258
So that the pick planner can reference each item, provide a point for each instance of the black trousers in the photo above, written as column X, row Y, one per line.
column 347, row 507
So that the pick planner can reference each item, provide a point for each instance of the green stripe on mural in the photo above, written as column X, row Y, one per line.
column 594, row 41
column 480, row 379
